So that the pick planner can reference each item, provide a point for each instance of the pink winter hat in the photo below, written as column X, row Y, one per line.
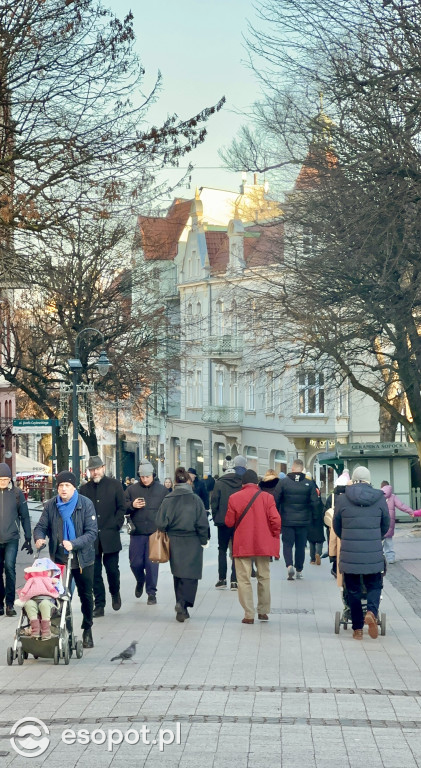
column 343, row 479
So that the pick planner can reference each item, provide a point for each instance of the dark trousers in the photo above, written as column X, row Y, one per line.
column 142, row 568
column 185, row 591
column 110, row 561
column 8, row 554
column 294, row 536
column 84, row 584
column 353, row 584
column 224, row 537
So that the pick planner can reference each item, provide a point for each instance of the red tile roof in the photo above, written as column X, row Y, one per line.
column 263, row 245
column 159, row 236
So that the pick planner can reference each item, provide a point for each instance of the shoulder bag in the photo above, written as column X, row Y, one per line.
column 159, row 547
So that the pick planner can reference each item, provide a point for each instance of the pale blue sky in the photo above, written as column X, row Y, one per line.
column 198, row 47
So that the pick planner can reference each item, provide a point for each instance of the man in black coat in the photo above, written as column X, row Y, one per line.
column 229, row 483
column 298, row 504
column 361, row 520
column 199, row 487
column 143, row 499
column 107, row 496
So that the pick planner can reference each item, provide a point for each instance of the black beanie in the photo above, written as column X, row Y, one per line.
column 249, row 477
column 5, row 470
column 66, row 477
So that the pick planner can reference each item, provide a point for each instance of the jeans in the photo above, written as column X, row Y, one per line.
column 224, row 537
column 373, row 583
column 84, row 584
column 142, row 568
column 316, row 548
column 110, row 562
column 294, row 535
column 388, row 549
column 8, row 555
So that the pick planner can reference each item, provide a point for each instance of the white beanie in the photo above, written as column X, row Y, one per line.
column 361, row 475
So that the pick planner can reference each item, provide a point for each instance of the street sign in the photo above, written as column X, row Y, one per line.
column 33, row 426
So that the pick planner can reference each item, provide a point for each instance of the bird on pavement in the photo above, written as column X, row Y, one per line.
column 127, row 654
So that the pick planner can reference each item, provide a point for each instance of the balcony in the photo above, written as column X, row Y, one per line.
column 225, row 347
column 221, row 414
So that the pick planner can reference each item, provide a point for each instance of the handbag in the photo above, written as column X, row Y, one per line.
column 159, row 547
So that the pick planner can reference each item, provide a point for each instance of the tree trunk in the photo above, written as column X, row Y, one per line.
column 388, row 423
column 90, row 439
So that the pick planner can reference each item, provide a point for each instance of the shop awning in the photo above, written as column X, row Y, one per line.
column 26, row 467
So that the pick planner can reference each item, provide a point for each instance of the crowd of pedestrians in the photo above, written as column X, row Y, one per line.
column 82, row 528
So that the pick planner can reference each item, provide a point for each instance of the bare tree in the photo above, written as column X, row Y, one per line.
column 350, row 294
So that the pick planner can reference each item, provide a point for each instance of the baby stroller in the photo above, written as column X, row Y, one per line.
column 62, row 642
column 344, row 618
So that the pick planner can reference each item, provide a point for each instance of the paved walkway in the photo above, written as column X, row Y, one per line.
column 285, row 693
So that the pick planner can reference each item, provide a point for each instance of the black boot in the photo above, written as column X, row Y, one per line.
column 116, row 601
column 98, row 611
column 87, row 639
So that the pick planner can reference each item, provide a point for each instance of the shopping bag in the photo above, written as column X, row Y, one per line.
column 159, row 547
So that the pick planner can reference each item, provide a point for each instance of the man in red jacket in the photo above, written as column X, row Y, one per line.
column 253, row 515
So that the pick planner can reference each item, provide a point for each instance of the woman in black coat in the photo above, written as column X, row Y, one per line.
column 182, row 515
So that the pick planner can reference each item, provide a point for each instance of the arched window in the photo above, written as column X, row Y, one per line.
column 219, row 317
column 199, row 320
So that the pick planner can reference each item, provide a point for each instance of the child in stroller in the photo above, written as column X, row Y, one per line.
column 38, row 596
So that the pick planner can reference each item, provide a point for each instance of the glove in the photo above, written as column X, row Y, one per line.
column 28, row 546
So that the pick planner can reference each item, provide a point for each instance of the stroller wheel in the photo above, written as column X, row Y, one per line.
column 20, row 656
column 383, row 624
column 345, row 626
column 25, row 654
column 56, row 656
column 66, row 653
column 9, row 656
column 337, row 622
column 79, row 649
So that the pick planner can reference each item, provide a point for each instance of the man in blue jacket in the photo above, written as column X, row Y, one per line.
column 69, row 521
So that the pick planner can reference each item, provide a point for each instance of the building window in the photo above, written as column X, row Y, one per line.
column 343, row 400
column 251, row 456
column 234, row 319
column 270, row 393
column 198, row 385
column 219, row 384
column 250, row 392
column 195, row 453
column 199, row 320
column 278, row 461
column 311, row 394
column 219, row 318
column 189, row 390
column 234, row 402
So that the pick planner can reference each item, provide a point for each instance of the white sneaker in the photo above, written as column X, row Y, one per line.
column 299, row 575
column 291, row 572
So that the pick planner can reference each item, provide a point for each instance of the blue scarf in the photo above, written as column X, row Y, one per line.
column 66, row 509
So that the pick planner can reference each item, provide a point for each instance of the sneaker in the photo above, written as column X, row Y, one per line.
column 10, row 611
column 116, row 601
column 138, row 591
column 98, row 611
column 318, row 560
column 357, row 634
column 299, row 575
column 371, row 622
column 181, row 616
column 291, row 572
column 263, row 617
column 234, row 585
column 221, row 584
column 151, row 600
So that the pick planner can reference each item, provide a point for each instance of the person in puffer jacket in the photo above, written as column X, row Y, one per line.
column 393, row 503
column 361, row 520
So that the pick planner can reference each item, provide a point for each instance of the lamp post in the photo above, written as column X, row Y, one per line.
column 103, row 364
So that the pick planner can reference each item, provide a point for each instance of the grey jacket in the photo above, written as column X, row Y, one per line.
column 182, row 514
column 13, row 511
column 361, row 520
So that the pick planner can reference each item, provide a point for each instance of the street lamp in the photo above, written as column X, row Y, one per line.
column 103, row 364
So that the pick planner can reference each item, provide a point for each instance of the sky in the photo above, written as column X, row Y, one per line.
column 199, row 48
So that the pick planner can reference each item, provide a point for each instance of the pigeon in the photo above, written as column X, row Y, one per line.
column 127, row 654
